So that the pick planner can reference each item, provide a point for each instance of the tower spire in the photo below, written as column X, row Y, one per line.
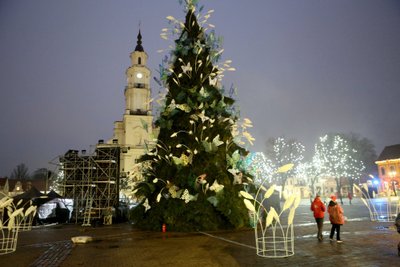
column 139, row 46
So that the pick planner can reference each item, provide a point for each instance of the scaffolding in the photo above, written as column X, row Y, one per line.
column 92, row 181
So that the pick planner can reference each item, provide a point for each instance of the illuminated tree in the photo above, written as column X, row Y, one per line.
column 56, row 180
column 338, row 159
column 281, row 152
column 365, row 151
column 259, row 167
column 311, row 172
column 194, row 176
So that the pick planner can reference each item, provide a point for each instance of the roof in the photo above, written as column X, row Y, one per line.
column 390, row 152
column 30, row 194
column 53, row 194
column 139, row 46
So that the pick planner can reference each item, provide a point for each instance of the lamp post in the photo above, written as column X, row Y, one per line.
column 45, row 177
column 392, row 175
column 376, row 185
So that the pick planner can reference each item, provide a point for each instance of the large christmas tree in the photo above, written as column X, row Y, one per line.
column 192, row 177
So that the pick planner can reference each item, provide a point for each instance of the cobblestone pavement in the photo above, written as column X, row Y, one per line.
column 54, row 255
column 366, row 243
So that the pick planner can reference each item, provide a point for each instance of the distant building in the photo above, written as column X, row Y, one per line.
column 328, row 186
column 388, row 164
column 14, row 187
column 295, row 185
column 325, row 186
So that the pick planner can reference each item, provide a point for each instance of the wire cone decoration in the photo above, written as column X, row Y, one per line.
column 383, row 209
column 11, row 220
column 27, row 219
column 274, row 233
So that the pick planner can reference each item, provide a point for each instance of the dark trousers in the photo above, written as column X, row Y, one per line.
column 320, row 224
column 398, row 249
column 337, row 228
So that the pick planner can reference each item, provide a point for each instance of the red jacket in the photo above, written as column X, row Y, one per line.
column 318, row 207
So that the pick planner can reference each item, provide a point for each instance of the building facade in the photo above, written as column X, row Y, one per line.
column 388, row 164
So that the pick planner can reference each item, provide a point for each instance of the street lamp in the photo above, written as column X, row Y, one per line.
column 375, row 182
column 45, row 177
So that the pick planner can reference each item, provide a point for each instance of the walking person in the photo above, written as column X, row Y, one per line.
column 318, row 207
column 350, row 196
column 397, row 224
column 336, row 217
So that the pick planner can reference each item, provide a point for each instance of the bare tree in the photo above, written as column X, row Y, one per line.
column 20, row 172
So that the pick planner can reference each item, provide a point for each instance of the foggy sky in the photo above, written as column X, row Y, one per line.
column 303, row 69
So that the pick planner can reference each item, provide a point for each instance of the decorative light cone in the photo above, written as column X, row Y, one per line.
column 9, row 228
column 27, row 219
column 274, row 233
column 383, row 209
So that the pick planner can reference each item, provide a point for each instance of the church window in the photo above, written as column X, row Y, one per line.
column 139, row 60
column 383, row 171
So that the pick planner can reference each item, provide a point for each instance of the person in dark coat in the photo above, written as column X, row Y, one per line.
column 318, row 207
column 397, row 224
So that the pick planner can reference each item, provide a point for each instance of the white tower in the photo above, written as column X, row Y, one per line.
column 135, row 131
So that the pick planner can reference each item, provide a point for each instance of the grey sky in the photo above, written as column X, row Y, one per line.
column 303, row 68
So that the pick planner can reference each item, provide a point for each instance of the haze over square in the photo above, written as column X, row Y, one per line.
column 303, row 69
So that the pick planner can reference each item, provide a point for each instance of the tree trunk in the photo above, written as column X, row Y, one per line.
column 338, row 189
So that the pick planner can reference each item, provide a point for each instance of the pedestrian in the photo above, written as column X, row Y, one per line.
column 350, row 196
column 336, row 217
column 318, row 207
column 397, row 224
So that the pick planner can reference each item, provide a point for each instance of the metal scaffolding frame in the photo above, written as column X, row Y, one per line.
column 92, row 181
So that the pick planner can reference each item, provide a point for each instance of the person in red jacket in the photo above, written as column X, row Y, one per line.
column 336, row 217
column 318, row 207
